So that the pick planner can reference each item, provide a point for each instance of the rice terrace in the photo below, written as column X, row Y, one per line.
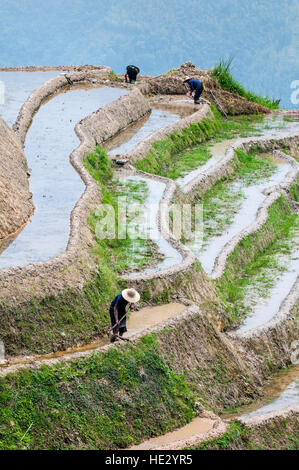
column 187, row 209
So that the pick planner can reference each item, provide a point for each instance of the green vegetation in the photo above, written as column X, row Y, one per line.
column 170, row 72
column 124, row 395
column 224, row 199
column 233, row 434
column 180, row 152
column 56, row 322
column 120, row 255
column 255, row 261
column 73, row 315
column 113, row 77
column 288, row 118
column 280, row 434
column 294, row 191
column 225, row 79
column 103, row 401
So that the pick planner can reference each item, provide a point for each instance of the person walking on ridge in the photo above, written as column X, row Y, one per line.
column 195, row 86
column 118, row 311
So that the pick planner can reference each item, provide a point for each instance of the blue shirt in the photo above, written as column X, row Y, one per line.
column 194, row 84
column 120, row 303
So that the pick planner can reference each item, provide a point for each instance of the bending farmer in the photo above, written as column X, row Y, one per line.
column 195, row 86
column 118, row 311
column 131, row 74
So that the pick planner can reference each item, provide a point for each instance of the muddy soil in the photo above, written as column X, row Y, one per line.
column 138, row 320
column 172, row 84
column 16, row 205
column 197, row 427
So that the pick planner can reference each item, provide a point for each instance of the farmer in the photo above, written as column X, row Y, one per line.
column 118, row 310
column 195, row 86
column 131, row 74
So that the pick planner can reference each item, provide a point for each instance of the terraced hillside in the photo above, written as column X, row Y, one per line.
column 218, row 314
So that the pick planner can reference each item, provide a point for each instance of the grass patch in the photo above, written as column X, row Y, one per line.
column 113, row 77
column 294, row 191
column 223, row 200
column 180, row 152
column 235, row 432
column 222, row 73
column 104, row 401
column 56, row 322
column 279, row 434
column 254, row 261
column 122, row 254
column 73, row 315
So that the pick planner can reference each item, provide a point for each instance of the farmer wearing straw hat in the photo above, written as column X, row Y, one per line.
column 118, row 310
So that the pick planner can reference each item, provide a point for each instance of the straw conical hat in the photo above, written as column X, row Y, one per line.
column 131, row 295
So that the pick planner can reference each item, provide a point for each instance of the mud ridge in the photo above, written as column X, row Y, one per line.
column 273, row 193
column 34, row 362
column 289, row 412
column 206, row 180
column 281, row 316
column 16, row 205
column 47, row 68
column 188, row 256
column 88, row 134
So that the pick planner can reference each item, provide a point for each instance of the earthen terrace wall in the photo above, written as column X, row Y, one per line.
column 16, row 205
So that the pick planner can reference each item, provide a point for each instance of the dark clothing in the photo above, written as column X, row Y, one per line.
column 194, row 84
column 197, row 86
column 132, row 72
column 120, row 303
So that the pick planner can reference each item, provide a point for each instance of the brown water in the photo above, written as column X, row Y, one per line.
column 279, row 393
column 138, row 321
column 150, row 316
column 275, row 393
column 196, row 427
column 272, row 157
column 150, row 227
column 182, row 111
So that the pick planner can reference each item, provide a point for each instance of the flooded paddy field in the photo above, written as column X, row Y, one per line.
column 55, row 184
